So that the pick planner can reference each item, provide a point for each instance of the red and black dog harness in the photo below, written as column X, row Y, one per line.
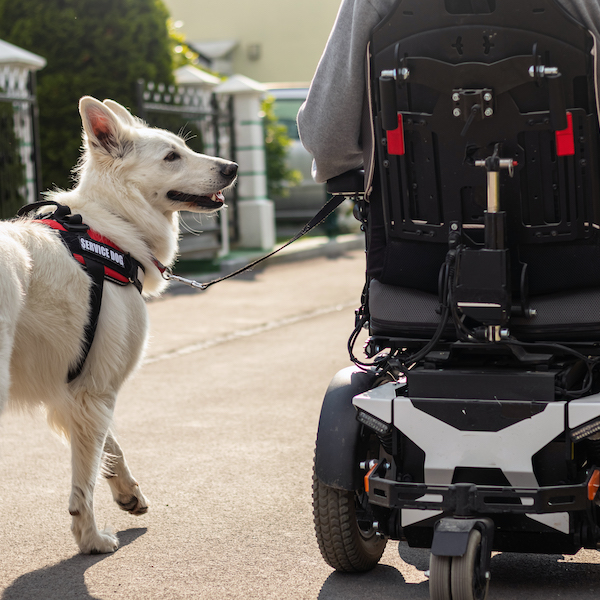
column 101, row 258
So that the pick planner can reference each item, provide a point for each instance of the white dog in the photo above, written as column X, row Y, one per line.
column 132, row 180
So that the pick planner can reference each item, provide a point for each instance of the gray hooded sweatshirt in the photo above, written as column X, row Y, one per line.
column 329, row 122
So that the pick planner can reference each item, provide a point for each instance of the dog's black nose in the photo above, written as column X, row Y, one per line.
column 229, row 170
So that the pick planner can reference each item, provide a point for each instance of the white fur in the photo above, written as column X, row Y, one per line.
column 124, row 176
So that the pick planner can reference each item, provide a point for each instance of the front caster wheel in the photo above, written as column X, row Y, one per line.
column 467, row 581
column 347, row 542
column 439, row 577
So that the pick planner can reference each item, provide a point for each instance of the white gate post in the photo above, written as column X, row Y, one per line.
column 256, row 213
column 15, row 66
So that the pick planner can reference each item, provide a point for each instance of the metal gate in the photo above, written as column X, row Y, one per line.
column 20, row 164
column 205, row 120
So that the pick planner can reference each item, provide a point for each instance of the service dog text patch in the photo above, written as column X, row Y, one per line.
column 101, row 250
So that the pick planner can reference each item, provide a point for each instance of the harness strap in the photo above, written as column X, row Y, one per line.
column 97, row 255
column 86, row 244
column 96, row 272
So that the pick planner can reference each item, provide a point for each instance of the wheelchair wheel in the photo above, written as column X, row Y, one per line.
column 439, row 577
column 466, row 580
column 348, row 543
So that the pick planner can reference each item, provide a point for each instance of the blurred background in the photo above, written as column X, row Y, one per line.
column 229, row 77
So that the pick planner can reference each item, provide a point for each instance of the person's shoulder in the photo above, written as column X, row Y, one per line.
column 382, row 7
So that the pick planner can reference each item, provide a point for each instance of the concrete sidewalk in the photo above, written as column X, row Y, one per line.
column 219, row 427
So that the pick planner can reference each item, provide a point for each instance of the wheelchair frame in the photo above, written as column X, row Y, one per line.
column 475, row 439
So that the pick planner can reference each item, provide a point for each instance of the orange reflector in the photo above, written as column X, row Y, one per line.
column 593, row 485
column 369, row 474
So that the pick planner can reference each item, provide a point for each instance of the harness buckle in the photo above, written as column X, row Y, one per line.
column 74, row 223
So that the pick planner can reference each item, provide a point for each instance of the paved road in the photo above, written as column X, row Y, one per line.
column 219, row 428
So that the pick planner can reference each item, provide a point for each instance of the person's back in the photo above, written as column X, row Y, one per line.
column 333, row 122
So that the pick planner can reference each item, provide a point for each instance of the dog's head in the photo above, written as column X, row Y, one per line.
column 158, row 163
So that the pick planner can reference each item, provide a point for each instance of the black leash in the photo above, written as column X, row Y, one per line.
column 323, row 213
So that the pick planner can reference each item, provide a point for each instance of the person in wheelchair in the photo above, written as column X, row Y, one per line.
column 474, row 423
column 334, row 123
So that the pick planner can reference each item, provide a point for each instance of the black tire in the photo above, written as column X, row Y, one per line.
column 439, row 577
column 467, row 581
column 345, row 544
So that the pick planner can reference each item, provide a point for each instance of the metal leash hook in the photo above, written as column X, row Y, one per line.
column 168, row 275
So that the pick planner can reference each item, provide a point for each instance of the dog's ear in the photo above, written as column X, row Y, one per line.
column 105, row 132
column 121, row 112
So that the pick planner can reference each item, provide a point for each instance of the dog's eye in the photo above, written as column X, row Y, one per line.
column 172, row 156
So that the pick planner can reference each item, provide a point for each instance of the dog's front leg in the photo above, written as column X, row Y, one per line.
column 125, row 489
column 89, row 425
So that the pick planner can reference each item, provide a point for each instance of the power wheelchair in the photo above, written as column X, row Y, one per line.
column 472, row 423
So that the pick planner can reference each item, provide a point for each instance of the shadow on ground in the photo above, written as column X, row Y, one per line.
column 514, row 577
column 382, row 583
column 65, row 580
column 532, row 576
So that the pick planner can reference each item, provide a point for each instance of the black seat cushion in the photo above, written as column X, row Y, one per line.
column 563, row 316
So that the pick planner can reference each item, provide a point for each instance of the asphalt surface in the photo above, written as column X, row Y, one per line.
column 218, row 426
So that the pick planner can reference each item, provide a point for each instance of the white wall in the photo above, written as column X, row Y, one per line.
column 291, row 34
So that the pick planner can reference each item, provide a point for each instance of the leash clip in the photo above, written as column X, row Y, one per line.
column 168, row 275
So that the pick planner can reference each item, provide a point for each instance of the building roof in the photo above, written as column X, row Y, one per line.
column 189, row 75
column 11, row 54
column 214, row 49
column 239, row 84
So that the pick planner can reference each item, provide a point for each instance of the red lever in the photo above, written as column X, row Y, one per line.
column 565, row 142
column 395, row 139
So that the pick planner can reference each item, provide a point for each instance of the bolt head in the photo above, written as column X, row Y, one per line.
column 456, row 112
column 455, row 97
column 487, row 96
column 489, row 112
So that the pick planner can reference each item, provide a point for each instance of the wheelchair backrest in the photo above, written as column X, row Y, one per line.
column 450, row 80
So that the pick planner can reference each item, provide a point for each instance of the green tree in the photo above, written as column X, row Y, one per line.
column 279, row 175
column 93, row 47
column 182, row 53
column 12, row 172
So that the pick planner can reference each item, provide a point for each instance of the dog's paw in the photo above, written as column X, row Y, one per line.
column 136, row 504
column 99, row 542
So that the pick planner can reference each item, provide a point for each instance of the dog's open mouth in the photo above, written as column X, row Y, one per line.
column 214, row 201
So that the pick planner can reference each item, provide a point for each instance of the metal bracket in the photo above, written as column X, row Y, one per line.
column 398, row 74
column 473, row 103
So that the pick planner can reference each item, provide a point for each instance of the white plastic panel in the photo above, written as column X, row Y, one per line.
column 583, row 410
column 510, row 449
column 378, row 401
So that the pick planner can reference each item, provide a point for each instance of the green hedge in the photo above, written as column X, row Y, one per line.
column 93, row 47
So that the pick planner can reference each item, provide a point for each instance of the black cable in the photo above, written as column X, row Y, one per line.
column 415, row 358
column 590, row 363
